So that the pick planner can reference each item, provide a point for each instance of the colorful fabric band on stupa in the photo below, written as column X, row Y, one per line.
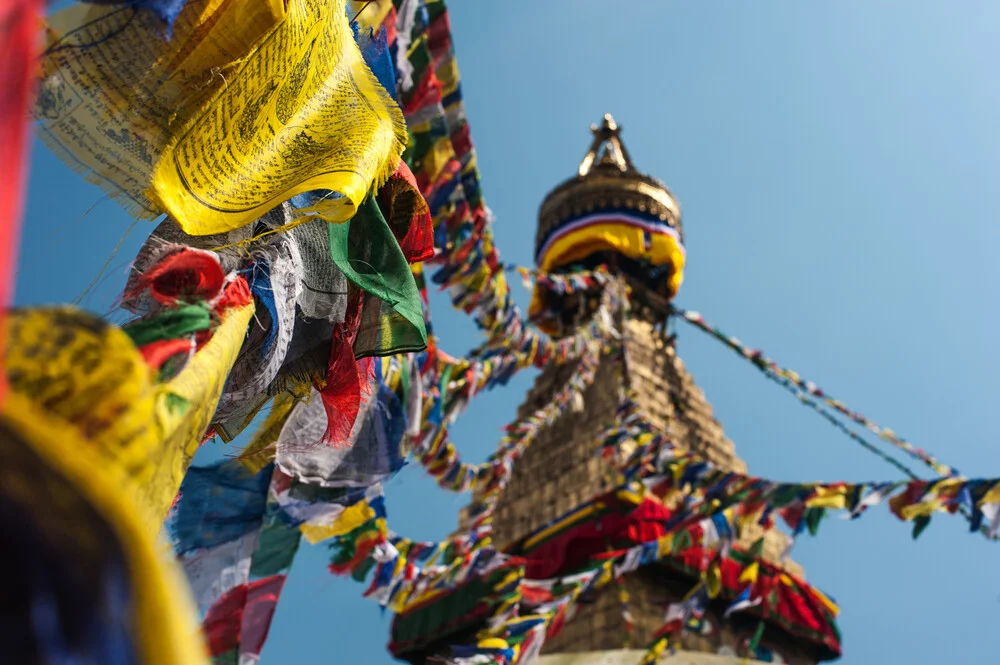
column 609, row 210
column 651, row 242
column 571, row 543
column 623, row 231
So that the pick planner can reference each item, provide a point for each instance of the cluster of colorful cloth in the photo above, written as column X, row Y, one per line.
column 311, row 159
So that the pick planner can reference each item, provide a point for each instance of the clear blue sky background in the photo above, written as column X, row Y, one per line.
column 837, row 164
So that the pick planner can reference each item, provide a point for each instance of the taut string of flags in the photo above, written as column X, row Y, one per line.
column 768, row 366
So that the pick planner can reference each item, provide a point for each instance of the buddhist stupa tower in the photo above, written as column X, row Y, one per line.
column 611, row 214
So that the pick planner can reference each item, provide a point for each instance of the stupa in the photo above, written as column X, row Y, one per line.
column 611, row 214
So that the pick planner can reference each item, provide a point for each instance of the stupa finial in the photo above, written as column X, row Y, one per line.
column 606, row 149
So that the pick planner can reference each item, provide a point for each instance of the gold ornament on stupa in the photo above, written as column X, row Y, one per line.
column 610, row 214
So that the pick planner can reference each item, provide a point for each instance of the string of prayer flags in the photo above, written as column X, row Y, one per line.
column 442, row 159
column 698, row 550
column 748, row 573
column 265, row 101
column 682, row 549
column 496, row 473
column 439, row 456
column 563, row 283
column 768, row 366
column 236, row 548
column 804, row 503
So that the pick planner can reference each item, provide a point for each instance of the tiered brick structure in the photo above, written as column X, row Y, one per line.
column 561, row 469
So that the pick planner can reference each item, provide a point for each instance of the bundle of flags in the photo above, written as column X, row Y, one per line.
column 236, row 546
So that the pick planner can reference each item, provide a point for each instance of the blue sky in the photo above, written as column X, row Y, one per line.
column 837, row 167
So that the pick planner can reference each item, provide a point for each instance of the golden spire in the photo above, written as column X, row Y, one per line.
column 606, row 179
column 608, row 144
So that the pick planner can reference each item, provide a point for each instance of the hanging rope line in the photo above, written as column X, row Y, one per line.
column 768, row 366
column 840, row 426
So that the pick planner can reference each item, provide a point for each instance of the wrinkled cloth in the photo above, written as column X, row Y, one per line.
column 254, row 101
column 85, row 536
column 373, row 454
column 88, row 373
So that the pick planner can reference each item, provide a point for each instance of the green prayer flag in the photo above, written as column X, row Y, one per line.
column 755, row 640
column 812, row 518
column 276, row 547
column 919, row 524
column 366, row 251
column 169, row 324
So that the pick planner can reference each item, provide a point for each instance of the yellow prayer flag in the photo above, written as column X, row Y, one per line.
column 200, row 385
column 713, row 579
column 116, row 85
column 447, row 73
column 346, row 521
column 262, row 448
column 834, row 497
column 750, row 573
column 86, row 372
column 664, row 546
column 992, row 495
column 71, row 494
column 435, row 159
column 218, row 136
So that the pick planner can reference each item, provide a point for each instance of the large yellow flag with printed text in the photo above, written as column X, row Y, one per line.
column 241, row 105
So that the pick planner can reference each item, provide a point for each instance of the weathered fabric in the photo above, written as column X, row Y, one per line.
column 239, row 107
column 88, row 373
column 236, row 546
column 373, row 453
column 368, row 253
column 300, row 292
column 219, row 504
